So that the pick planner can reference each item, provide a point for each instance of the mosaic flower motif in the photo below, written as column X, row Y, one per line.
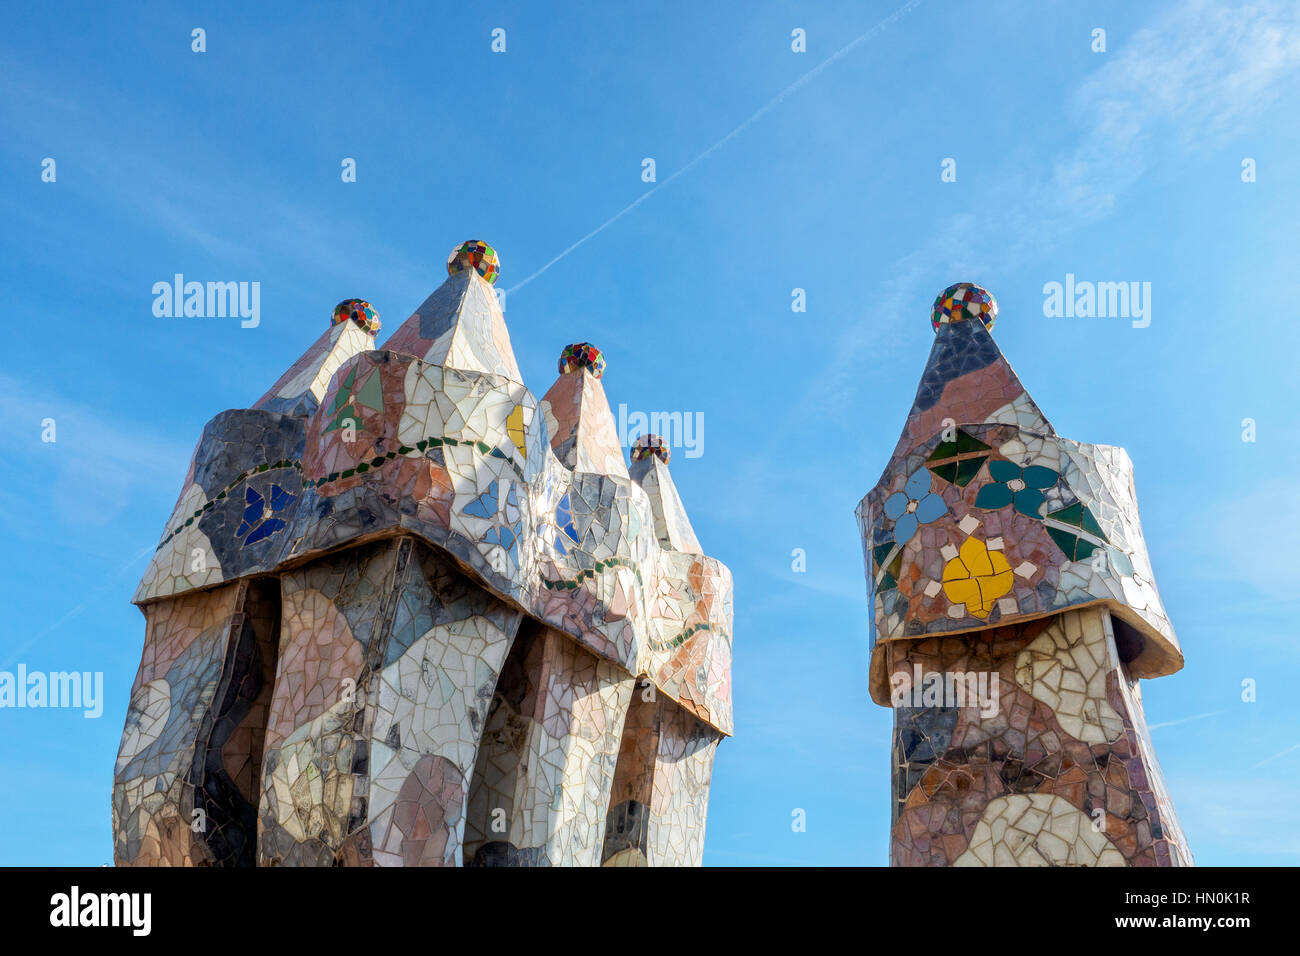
column 959, row 459
column 914, row 506
column 977, row 577
column 491, row 504
column 1012, row 484
column 259, row 514
column 887, row 573
column 351, row 397
column 1074, row 546
column 488, row 504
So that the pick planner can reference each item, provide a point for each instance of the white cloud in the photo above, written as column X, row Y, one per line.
column 1242, row 816
column 89, row 472
column 1235, row 542
column 1193, row 77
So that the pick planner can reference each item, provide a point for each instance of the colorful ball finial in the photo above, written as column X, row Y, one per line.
column 477, row 255
column 647, row 445
column 359, row 311
column 582, row 355
column 962, row 301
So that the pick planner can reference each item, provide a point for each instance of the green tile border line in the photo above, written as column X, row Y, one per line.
column 375, row 463
column 687, row 634
column 562, row 584
column 586, row 574
column 420, row 448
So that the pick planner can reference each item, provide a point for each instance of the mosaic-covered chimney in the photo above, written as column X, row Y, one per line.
column 405, row 614
column 1013, row 613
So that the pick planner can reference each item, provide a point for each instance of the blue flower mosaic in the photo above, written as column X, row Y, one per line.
column 259, row 514
column 1012, row 484
column 914, row 506
column 485, row 505
column 488, row 505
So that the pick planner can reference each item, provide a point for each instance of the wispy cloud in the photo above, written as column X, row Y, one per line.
column 99, row 436
column 93, row 466
column 1184, row 83
column 210, row 206
column 1234, row 544
column 1246, row 817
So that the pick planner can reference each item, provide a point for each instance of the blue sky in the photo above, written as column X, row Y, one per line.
column 1116, row 166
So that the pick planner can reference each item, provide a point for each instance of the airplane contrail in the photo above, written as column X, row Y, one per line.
column 1183, row 720
column 758, row 114
column 1280, row 753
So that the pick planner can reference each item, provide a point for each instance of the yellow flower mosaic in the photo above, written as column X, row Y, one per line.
column 977, row 577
